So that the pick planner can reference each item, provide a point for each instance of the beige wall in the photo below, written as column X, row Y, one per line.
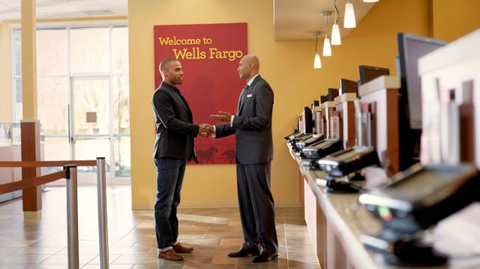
column 5, row 75
column 287, row 65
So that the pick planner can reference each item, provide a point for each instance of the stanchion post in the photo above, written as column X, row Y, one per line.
column 102, row 212
column 72, row 217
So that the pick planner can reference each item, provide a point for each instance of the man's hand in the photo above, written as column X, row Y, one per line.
column 205, row 130
column 222, row 116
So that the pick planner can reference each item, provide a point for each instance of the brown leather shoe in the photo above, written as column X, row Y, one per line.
column 181, row 249
column 170, row 255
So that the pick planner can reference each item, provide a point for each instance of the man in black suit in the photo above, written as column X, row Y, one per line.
column 254, row 153
column 173, row 148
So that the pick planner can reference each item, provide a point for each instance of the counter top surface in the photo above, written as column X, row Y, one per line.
column 350, row 220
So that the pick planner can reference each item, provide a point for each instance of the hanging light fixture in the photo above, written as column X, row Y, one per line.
column 336, row 39
column 370, row 1
column 317, row 64
column 349, row 21
column 327, row 50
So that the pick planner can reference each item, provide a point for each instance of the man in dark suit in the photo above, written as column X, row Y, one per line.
column 173, row 148
column 254, row 153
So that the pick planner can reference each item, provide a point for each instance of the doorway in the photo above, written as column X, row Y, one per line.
column 82, row 97
column 90, row 120
column 90, row 132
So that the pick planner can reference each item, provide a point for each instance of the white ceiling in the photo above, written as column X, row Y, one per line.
column 54, row 9
column 293, row 19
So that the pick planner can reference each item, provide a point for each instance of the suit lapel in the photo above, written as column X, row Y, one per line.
column 249, row 91
column 178, row 99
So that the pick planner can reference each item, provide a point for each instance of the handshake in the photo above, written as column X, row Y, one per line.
column 206, row 130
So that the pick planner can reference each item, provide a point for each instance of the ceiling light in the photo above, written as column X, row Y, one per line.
column 327, row 50
column 317, row 64
column 336, row 38
column 349, row 21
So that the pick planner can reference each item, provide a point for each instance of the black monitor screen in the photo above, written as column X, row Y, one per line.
column 410, row 49
column 368, row 73
column 307, row 120
column 348, row 86
column 332, row 93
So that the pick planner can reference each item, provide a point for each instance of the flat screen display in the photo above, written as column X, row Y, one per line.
column 332, row 93
column 368, row 73
column 410, row 49
column 348, row 86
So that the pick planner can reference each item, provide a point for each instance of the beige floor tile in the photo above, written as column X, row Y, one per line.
column 232, row 242
column 223, row 259
column 23, row 259
column 41, row 243
column 137, row 259
column 126, row 266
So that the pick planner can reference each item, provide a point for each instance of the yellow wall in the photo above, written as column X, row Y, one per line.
column 287, row 65
column 453, row 19
column 212, row 184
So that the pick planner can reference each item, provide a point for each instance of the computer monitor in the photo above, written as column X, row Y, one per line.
column 332, row 93
column 348, row 86
column 410, row 49
column 368, row 73
column 307, row 120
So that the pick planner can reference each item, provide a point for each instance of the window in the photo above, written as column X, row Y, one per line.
column 66, row 58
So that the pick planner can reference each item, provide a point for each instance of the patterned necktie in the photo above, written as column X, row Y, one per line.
column 242, row 97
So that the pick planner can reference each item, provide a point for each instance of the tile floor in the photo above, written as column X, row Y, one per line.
column 214, row 232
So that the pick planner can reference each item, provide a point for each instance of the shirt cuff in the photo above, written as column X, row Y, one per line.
column 231, row 120
column 214, row 135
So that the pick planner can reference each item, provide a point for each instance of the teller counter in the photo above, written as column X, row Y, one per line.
column 336, row 223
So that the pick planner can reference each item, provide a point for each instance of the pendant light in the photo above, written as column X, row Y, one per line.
column 349, row 21
column 336, row 38
column 317, row 64
column 370, row 1
column 327, row 49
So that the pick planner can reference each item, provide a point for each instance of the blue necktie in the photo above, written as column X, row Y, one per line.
column 242, row 97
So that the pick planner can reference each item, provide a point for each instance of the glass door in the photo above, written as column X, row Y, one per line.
column 90, row 125
column 82, row 97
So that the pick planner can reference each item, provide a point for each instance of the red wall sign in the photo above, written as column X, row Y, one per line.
column 209, row 54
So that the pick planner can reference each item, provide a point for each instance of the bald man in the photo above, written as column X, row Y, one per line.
column 254, row 152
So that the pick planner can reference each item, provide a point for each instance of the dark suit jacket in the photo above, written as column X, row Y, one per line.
column 252, row 125
column 175, row 131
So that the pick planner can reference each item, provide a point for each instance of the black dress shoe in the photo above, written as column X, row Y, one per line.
column 265, row 257
column 244, row 252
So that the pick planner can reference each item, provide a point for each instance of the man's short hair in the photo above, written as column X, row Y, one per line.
column 166, row 63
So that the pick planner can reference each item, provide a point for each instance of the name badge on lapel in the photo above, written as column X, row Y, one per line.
column 250, row 95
